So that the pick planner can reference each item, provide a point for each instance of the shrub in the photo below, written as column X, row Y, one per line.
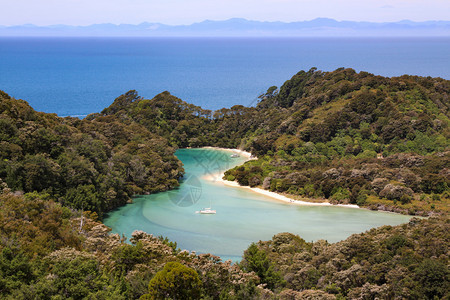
column 175, row 281
column 404, row 199
column 436, row 197
column 231, row 178
column 361, row 199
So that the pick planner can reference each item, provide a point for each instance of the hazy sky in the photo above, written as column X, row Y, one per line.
column 85, row 12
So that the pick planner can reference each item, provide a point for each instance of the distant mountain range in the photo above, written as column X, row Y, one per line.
column 240, row 27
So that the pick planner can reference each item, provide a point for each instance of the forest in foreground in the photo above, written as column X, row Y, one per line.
column 341, row 136
column 48, row 251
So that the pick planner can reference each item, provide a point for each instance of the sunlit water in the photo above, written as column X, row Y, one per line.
column 242, row 216
column 78, row 76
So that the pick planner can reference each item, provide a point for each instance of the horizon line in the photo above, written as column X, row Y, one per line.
column 224, row 20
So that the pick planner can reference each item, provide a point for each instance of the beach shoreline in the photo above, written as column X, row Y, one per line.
column 217, row 178
column 243, row 153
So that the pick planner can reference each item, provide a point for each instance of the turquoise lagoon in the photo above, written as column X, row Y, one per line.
column 242, row 216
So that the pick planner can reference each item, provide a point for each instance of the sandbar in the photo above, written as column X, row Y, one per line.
column 217, row 178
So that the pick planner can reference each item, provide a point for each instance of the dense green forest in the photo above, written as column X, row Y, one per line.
column 354, row 138
column 340, row 136
column 409, row 261
column 88, row 165
column 48, row 252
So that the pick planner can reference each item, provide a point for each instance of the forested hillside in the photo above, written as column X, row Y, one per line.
column 354, row 138
column 409, row 261
column 90, row 165
column 47, row 253
column 340, row 136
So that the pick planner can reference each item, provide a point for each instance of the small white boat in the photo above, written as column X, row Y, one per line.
column 208, row 210
column 234, row 155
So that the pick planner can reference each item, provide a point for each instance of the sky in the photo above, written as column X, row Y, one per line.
column 176, row 12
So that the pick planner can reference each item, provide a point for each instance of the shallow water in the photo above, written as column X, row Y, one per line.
column 242, row 216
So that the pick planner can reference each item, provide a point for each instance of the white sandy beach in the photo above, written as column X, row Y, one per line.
column 242, row 153
column 217, row 178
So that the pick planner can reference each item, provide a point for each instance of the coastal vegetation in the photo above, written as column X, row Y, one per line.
column 355, row 138
column 340, row 136
column 52, row 252
column 408, row 261
column 87, row 165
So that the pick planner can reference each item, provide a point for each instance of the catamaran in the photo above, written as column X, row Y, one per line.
column 207, row 210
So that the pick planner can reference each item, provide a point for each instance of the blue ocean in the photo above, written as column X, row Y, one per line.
column 78, row 76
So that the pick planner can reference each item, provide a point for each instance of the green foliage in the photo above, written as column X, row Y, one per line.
column 83, row 197
column 122, row 102
column 40, row 261
column 257, row 261
column 341, row 194
column 75, row 278
column 433, row 277
column 94, row 164
column 406, row 261
column 15, row 270
column 361, row 199
column 127, row 256
column 345, row 136
column 230, row 178
column 169, row 243
column 174, row 281
column 45, row 255
column 291, row 90
column 315, row 122
column 396, row 242
column 367, row 154
column 36, row 226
